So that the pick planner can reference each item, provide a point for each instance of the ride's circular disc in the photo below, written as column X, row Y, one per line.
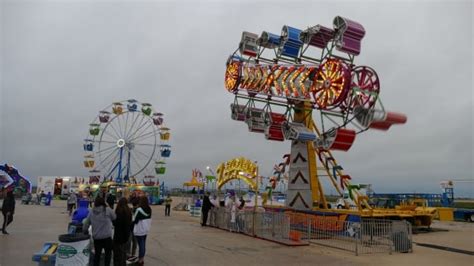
column 331, row 84
column 232, row 74
column 365, row 88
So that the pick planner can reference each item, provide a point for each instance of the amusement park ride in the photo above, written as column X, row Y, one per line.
column 281, row 81
column 13, row 180
column 127, row 140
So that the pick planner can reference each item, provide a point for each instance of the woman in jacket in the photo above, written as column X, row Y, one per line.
column 142, row 224
column 100, row 218
column 8, row 209
column 122, row 226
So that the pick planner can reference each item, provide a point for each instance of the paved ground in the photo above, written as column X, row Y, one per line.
column 180, row 240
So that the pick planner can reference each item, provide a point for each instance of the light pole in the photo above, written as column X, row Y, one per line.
column 214, row 175
column 256, row 201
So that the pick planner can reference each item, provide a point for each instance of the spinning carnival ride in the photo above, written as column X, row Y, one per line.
column 127, row 140
column 280, row 81
column 13, row 180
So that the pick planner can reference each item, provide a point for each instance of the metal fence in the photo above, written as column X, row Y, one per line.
column 365, row 237
column 274, row 226
column 292, row 228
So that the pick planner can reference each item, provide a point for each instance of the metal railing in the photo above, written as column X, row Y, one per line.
column 292, row 228
column 365, row 237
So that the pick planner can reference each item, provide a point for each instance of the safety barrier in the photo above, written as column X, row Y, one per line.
column 367, row 236
column 273, row 226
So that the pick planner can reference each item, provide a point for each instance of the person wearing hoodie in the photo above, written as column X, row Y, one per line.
column 100, row 218
column 142, row 224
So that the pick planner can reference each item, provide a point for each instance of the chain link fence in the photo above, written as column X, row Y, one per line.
column 292, row 228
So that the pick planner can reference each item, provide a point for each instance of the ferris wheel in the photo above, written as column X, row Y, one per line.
column 127, row 140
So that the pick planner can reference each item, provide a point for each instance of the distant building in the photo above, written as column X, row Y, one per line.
column 60, row 185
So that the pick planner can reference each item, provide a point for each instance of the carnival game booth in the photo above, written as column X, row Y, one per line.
column 191, row 197
column 153, row 192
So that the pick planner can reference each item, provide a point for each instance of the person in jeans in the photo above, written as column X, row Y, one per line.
column 100, row 218
column 142, row 224
column 122, row 226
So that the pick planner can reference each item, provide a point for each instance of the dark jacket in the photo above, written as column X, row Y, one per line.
column 141, row 216
column 242, row 204
column 8, row 204
column 142, row 221
column 110, row 200
column 206, row 203
column 122, row 226
column 134, row 201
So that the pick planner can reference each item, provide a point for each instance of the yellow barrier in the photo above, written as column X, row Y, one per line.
column 445, row 214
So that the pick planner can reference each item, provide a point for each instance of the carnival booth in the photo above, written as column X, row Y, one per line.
column 192, row 197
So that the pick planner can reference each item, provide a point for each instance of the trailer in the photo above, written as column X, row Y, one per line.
column 444, row 199
column 464, row 215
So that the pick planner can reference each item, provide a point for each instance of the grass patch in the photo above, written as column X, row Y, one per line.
column 464, row 204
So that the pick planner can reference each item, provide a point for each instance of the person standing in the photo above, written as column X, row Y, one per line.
column 168, row 201
column 8, row 209
column 122, row 226
column 142, row 224
column 132, row 241
column 242, row 203
column 111, row 200
column 206, row 206
column 49, row 197
column 90, row 197
column 102, row 193
column 41, row 196
column 71, row 202
column 213, row 216
column 232, row 208
column 100, row 218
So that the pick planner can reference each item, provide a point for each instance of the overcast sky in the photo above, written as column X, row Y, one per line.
column 62, row 62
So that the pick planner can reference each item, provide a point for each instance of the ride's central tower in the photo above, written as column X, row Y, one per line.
column 304, row 188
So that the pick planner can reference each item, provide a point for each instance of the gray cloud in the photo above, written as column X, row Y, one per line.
column 63, row 62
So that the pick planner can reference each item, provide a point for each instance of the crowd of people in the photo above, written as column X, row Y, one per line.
column 211, row 205
column 119, row 231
